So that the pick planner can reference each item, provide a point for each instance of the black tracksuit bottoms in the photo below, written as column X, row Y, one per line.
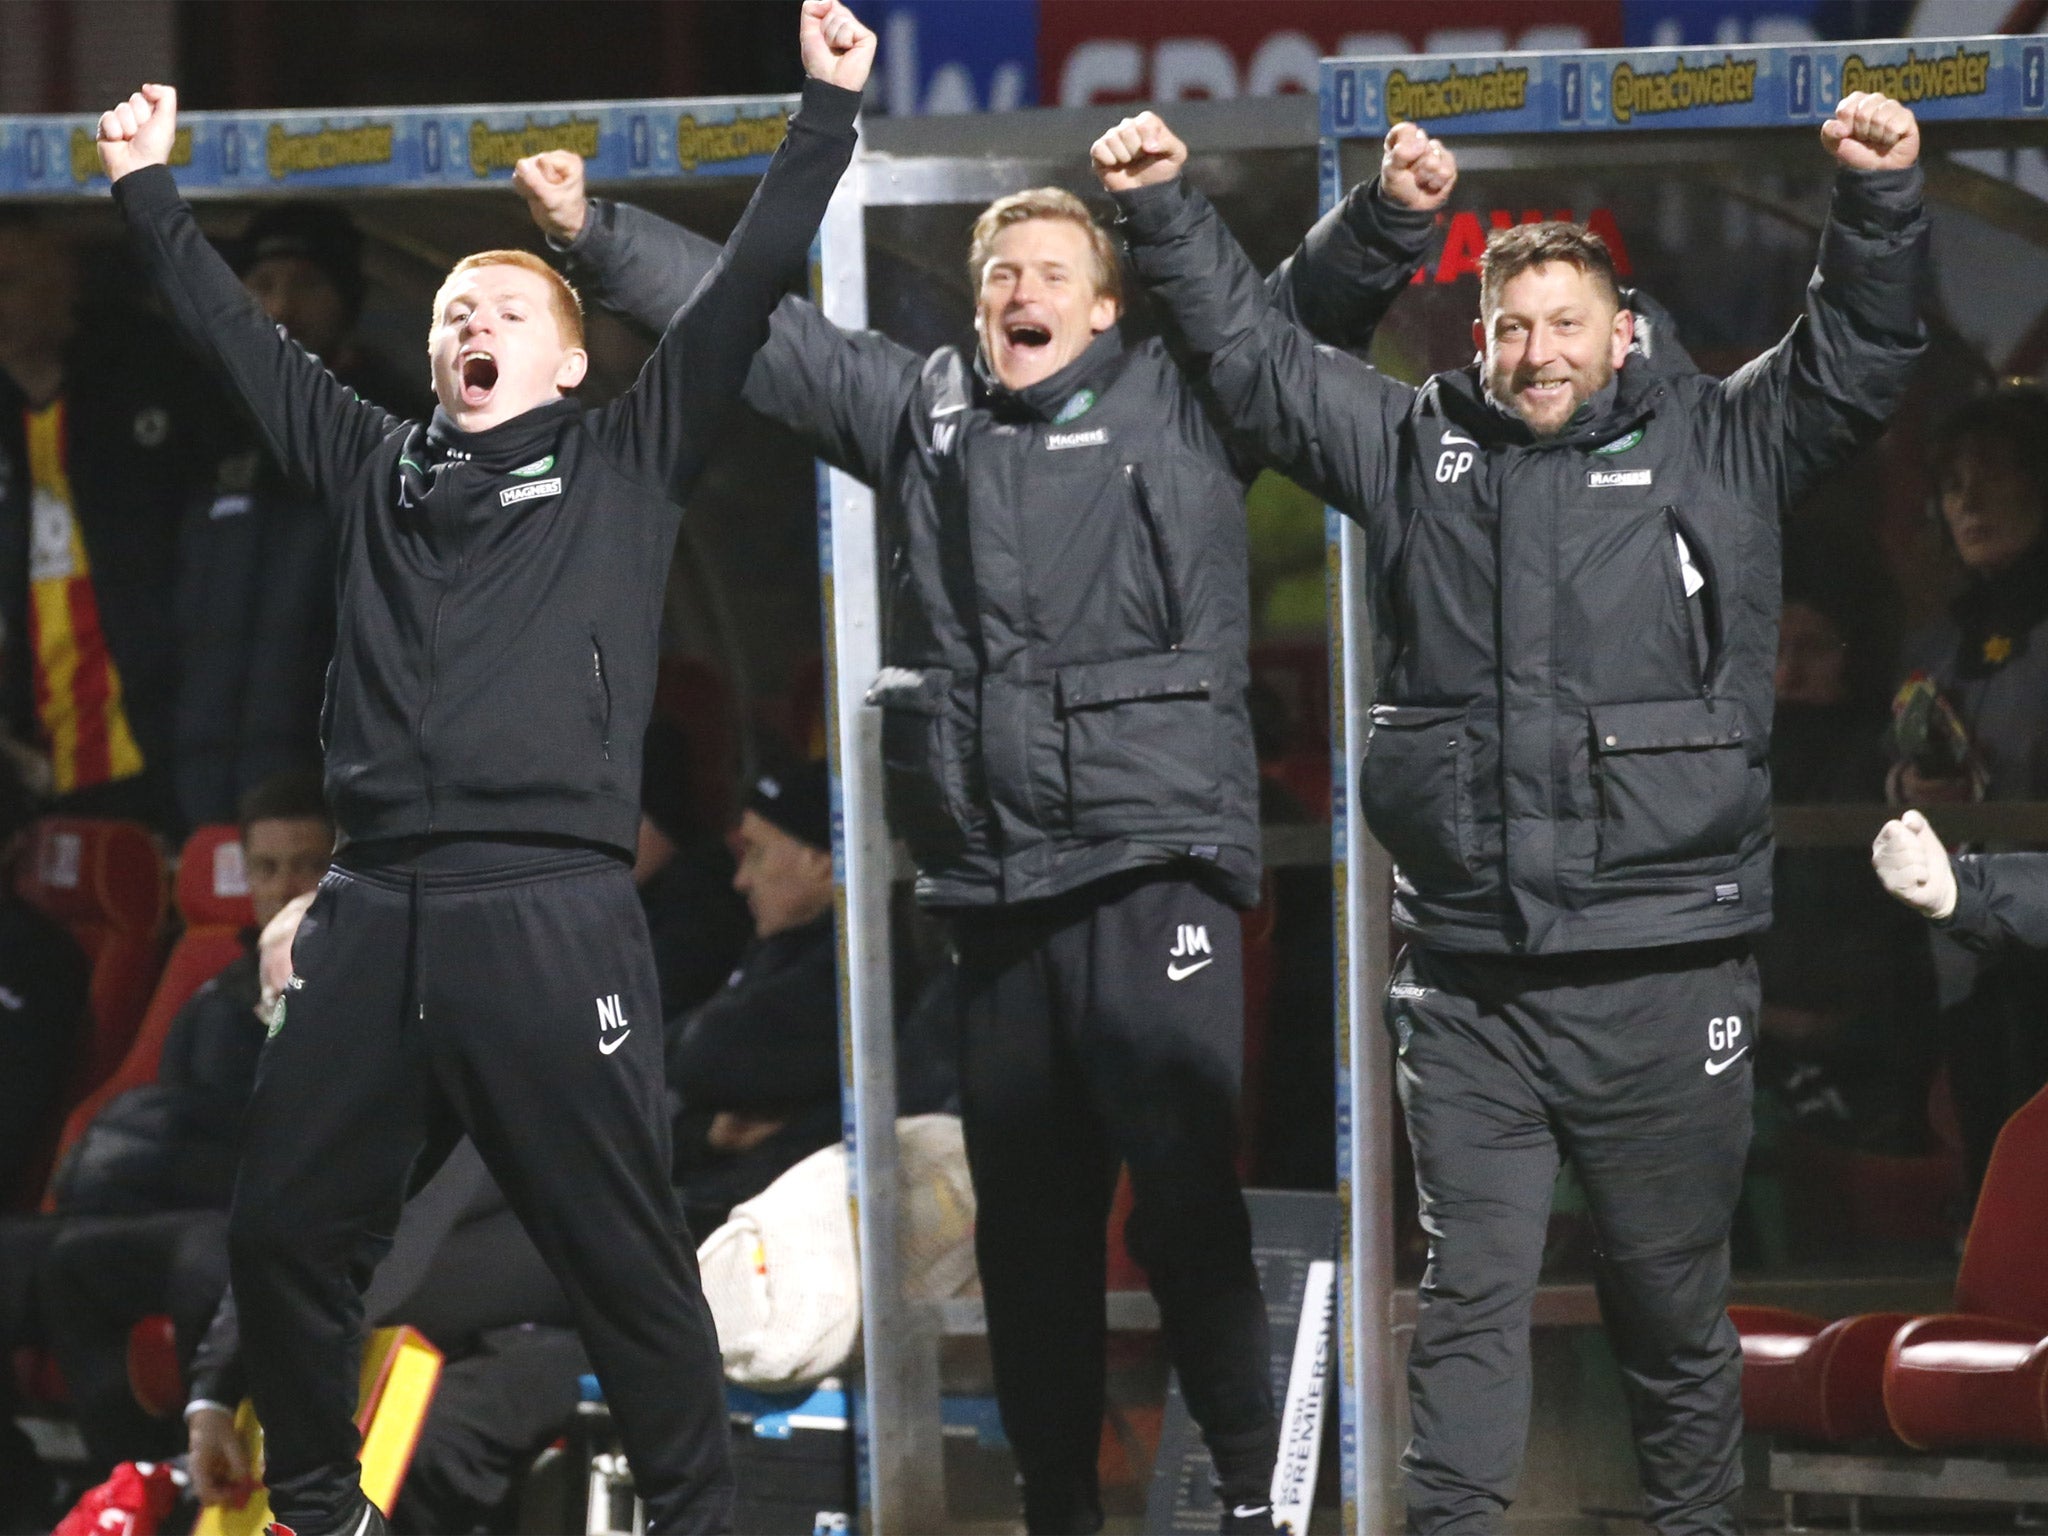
column 1636, row 1066
column 507, row 991
column 1100, row 1028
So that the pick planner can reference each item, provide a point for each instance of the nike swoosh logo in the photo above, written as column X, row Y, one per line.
column 1246, row 1511
column 1716, row 1068
column 608, row 1046
column 1455, row 437
column 1182, row 973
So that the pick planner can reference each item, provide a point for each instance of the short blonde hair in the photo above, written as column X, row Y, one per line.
column 562, row 299
column 1045, row 203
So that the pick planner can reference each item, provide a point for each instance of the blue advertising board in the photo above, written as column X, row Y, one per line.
column 1622, row 90
column 245, row 153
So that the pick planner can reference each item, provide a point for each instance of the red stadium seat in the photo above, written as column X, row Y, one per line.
column 1812, row 1379
column 213, row 899
column 104, row 882
column 1979, row 1376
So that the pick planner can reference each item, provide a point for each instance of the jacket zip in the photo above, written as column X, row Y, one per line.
column 1135, row 474
column 604, row 688
column 1703, row 659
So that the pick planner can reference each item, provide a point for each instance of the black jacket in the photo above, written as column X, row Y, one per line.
column 768, row 1041
column 500, row 592
column 1567, row 753
column 1065, row 611
column 171, row 1144
column 2001, row 901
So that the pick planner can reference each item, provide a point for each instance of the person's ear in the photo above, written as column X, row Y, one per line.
column 1103, row 313
column 1624, row 335
column 575, row 365
column 1479, row 337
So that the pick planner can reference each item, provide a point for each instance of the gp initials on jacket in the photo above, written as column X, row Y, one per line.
column 1456, row 458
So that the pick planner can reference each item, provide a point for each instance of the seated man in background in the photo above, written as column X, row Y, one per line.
column 255, row 589
column 695, row 922
column 463, row 1271
column 754, row 1072
column 141, row 1199
column 43, row 981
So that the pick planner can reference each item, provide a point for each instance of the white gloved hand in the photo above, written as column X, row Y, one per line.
column 1914, row 866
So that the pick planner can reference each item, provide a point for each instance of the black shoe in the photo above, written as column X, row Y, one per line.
column 1247, row 1517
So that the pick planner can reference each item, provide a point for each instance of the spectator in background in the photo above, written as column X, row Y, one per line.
column 141, row 1199
column 754, row 1072
column 463, row 1271
column 1988, row 657
column 43, row 982
column 1978, row 729
column 105, row 431
column 695, row 921
column 255, row 592
column 1847, row 984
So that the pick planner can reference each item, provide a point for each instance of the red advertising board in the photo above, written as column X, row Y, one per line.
column 1174, row 50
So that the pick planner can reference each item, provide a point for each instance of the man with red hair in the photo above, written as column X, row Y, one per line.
column 476, row 960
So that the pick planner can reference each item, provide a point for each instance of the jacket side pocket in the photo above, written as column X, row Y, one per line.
column 924, row 790
column 1414, row 787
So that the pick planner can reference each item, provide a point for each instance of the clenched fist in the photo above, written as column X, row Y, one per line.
column 1140, row 151
column 552, row 184
column 836, row 48
column 139, row 131
column 1870, row 132
column 1914, row 867
column 1416, row 171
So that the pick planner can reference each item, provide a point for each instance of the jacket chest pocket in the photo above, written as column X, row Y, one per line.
column 1673, row 781
column 1415, row 790
column 924, row 784
column 1139, row 744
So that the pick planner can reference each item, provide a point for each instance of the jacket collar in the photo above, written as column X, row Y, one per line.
column 508, row 445
column 1044, row 400
column 1629, row 400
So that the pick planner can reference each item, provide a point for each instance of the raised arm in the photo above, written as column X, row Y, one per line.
column 320, row 430
column 1355, row 261
column 1314, row 413
column 843, row 392
column 663, row 427
column 1832, row 383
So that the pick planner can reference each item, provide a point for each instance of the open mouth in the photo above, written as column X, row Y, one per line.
column 1025, row 337
column 1546, row 392
column 479, row 374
